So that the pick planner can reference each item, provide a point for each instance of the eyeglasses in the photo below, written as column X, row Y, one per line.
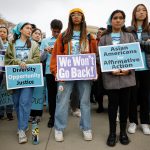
column 76, row 15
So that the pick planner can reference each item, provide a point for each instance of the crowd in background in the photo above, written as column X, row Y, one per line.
column 126, row 89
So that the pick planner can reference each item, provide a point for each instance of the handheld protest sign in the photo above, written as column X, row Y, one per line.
column 121, row 56
column 76, row 67
column 17, row 77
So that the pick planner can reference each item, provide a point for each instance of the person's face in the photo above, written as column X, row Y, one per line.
column 36, row 36
column 117, row 21
column 99, row 33
column 141, row 13
column 76, row 18
column 55, row 32
column 26, row 30
column 3, row 33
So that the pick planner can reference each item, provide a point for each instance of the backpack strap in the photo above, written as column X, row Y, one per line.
column 89, row 37
column 63, row 34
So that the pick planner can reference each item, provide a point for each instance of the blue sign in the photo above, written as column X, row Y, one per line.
column 5, row 96
column 17, row 77
column 120, row 56
column 2, row 56
column 76, row 67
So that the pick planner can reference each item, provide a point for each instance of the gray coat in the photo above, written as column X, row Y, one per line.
column 117, row 82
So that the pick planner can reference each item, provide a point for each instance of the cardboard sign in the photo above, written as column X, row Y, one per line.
column 17, row 77
column 120, row 56
column 76, row 67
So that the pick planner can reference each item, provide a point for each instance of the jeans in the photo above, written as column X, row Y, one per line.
column 62, row 104
column 22, row 99
column 75, row 102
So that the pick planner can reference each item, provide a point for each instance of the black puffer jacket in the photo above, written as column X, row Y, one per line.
column 145, row 45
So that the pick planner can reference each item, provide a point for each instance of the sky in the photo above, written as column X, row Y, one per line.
column 42, row 12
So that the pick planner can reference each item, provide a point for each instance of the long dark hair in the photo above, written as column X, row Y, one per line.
column 145, row 25
column 109, row 27
column 69, row 32
column 16, row 37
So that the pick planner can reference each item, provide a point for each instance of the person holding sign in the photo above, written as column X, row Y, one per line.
column 46, row 49
column 73, row 41
column 22, row 97
column 141, row 30
column 118, row 83
column 9, row 108
column 36, row 36
column 1, row 48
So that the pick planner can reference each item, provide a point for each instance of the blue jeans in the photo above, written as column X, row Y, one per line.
column 62, row 104
column 22, row 99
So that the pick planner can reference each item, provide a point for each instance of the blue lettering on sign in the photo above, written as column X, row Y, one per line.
column 17, row 77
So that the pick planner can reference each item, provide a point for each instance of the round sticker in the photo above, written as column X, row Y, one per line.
column 60, row 88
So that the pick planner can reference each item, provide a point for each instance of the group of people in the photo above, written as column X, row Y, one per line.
column 4, row 44
column 126, row 89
